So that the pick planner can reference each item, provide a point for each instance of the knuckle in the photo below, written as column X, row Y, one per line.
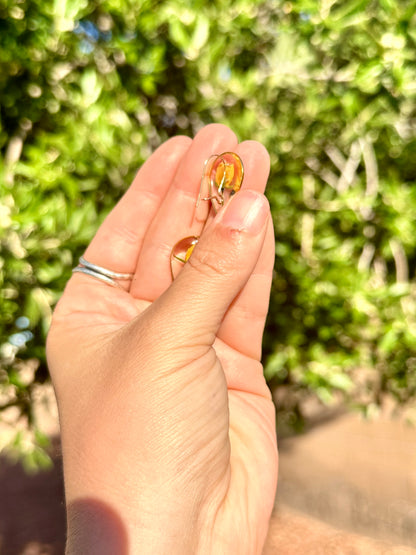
column 210, row 263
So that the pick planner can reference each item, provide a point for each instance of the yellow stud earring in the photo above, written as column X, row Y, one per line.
column 222, row 177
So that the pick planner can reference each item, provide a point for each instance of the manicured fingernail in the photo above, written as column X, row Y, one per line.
column 246, row 211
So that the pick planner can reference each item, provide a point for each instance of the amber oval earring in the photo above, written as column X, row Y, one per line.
column 222, row 177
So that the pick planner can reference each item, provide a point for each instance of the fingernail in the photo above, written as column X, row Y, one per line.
column 246, row 211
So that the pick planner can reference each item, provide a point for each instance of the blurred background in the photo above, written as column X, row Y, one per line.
column 89, row 89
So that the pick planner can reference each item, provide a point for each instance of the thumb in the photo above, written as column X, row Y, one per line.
column 218, row 269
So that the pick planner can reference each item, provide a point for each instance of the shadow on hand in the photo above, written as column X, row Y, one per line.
column 97, row 528
column 33, row 517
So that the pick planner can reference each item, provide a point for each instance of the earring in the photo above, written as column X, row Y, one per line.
column 222, row 177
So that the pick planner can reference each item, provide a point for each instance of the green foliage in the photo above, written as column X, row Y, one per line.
column 89, row 89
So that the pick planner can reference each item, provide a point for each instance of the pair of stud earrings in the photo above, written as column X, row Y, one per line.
column 222, row 176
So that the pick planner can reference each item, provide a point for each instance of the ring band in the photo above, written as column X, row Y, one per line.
column 101, row 273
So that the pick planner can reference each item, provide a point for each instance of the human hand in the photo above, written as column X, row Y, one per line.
column 167, row 424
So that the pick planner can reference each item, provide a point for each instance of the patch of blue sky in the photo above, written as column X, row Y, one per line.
column 22, row 322
column 20, row 338
column 90, row 31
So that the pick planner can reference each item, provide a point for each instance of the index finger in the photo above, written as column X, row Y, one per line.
column 118, row 241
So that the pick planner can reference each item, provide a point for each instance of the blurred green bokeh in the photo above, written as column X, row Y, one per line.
column 89, row 89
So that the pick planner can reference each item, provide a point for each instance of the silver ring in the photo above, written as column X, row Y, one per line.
column 98, row 272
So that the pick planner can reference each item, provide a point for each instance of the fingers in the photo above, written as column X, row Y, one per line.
column 242, row 328
column 159, row 209
column 176, row 217
column 243, row 324
column 256, row 162
column 118, row 241
column 192, row 309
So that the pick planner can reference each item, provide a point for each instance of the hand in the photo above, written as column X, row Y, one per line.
column 168, row 427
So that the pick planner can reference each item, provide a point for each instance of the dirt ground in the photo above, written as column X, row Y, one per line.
column 347, row 486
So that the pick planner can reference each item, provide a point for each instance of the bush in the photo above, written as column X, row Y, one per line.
column 89, row 89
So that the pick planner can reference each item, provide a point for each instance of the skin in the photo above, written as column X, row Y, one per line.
column 168, row 427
